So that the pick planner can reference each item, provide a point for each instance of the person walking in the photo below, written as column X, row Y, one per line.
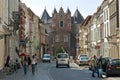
column 100, row 66
column 33, row 64
column 94, row 66
column 29, row 62
column 7, row 64
column 36, row 61
column 25, row 65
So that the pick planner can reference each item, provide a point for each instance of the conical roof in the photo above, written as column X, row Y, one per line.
column 54, row 11
column 78, row 18
column 68, row 11
column 45, row 16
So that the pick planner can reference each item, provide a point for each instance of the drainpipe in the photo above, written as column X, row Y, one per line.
column 117, row 28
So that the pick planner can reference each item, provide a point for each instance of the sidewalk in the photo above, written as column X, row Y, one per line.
column 1, row 74
column 40, row 74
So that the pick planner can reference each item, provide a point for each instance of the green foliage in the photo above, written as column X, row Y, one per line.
column 61, row 49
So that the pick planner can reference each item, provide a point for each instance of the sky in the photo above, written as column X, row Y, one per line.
column 86, row 7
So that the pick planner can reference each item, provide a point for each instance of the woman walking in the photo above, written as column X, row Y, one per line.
column 33, row 65
column 29, row 62
column 25, row 65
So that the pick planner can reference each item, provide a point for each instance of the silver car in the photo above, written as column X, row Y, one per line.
column 62, row 59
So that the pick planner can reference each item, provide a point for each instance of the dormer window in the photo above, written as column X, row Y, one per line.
column 61, row 23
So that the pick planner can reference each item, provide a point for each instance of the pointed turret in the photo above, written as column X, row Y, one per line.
column 68, row 11
column 61, row 10
column 54, row 11
column 45, row 16
column 78, row 18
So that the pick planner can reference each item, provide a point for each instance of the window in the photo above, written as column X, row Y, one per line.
column 56, row 38
column 65, row 38
column 61, row 23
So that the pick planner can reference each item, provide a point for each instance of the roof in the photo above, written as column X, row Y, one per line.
column 54, row 11
column 68, row 11
column 61, row 10
column 45, row 16
column 78, row 18
column 86, row 20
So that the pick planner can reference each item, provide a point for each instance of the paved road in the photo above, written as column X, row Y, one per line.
column 74, row 73
column 41, row 74
column 48, row 71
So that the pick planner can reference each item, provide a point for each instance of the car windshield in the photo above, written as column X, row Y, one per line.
column 84, row 58
column 46, row 56
column 62, row 56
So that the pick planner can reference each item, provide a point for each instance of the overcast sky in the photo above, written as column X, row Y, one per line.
column 86, row 7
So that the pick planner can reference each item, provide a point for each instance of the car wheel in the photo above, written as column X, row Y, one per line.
column 80, row 65
column 107, row 74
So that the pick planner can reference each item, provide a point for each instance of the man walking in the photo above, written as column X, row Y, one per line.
column 94, row 66
column 25, row 65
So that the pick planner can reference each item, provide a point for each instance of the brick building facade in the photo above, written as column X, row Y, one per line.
column 62, row 30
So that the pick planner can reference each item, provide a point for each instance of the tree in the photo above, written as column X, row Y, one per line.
column 60, row 49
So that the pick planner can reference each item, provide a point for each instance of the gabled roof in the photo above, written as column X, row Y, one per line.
column 78, row 18
column 45, row 16
column 61, row 10
column 87, row 19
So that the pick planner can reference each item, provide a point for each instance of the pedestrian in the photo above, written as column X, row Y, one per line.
column 100, row 66
column 36, row 60
column 7, row 61
column 94, row 66
column 7, row 64
column 25, row 63
column 33, row 65
column 29, row 62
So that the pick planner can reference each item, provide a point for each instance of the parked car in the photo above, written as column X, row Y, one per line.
column 113, row 67
column 62, row 59
column 105, row 61
column 82, row 60
column 46, row 58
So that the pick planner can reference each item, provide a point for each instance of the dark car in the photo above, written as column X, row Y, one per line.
column 113, row 67
column 105, row 61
